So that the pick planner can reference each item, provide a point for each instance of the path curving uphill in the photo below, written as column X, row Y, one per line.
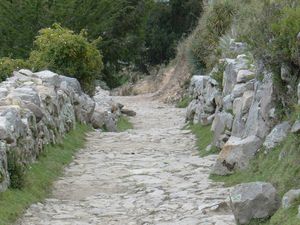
column 151, row 175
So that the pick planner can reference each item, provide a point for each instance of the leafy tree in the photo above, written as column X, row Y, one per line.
column 167, row 23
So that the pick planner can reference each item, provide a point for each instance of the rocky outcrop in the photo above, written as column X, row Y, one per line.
column 39, row 108
column 255, row 200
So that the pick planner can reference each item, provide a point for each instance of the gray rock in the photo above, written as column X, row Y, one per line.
column 26, row 72
column 237, row 106
column 247, row 99
column 98, row 118
column 255, row 200
column 128, row 112
column 277, row 135
column 191, row 110
column 206, row 97
column 289, row 198
column 110, row 123
column 299, row 205
column 245, row 75
column 231, row 70
column 236, row 154
column 239, row 89
column 255, row 124
column 227, row 103
column 285, row 73
column 49, row 78
column 296, row 127
column 26, row 94
column 70, row 84
column 221, row 122
column 37, row 111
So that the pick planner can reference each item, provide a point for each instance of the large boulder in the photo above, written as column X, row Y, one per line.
column 277, row 135
column 236, row 154
column 290, row 197
column 255, row 200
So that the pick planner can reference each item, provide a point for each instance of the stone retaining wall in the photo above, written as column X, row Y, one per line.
column 39, row 108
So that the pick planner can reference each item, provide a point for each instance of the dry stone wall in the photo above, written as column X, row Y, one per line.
column 241, row 111
column 39, row 108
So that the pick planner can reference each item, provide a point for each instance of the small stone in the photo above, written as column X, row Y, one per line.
column 289, row 198
column 296, row 127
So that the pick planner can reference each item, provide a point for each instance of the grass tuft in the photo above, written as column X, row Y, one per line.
column 184, row 102
column 204, row 138
column 40, row 176
column 124, row 124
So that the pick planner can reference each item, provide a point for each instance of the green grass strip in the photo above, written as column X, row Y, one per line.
column 40, row 175
column 124, row 124
column 204, row 138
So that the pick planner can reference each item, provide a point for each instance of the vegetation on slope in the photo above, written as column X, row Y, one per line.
column 39, row 177
column 270, row 30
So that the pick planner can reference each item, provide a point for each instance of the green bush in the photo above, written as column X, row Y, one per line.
column 285, row 46
column 8, row 65
column 65, row 52
column 213, row 24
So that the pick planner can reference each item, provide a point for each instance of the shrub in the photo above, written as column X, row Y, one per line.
column 218, row 72
column 65, row 52
column 8, row 65
column 213, row 24
column 16, row 170
column 285, row 46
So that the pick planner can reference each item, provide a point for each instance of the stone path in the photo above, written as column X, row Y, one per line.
column 151, row 175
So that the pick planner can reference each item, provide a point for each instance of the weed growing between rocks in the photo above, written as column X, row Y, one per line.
column 204, row 138
column 16, row 170
column 40, row 176
column 184, row 102
column 124, row 124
